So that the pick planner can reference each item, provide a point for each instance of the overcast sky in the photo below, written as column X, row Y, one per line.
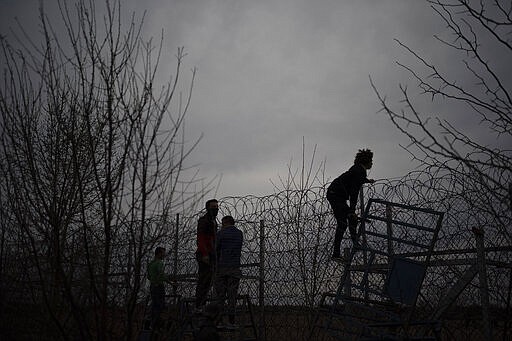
column 272, row 72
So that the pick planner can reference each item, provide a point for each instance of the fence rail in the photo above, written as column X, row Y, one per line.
column 288, row 238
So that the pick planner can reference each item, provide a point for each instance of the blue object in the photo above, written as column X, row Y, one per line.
column 404, row 280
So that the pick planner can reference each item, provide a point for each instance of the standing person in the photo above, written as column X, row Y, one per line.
column 227, row 279
column 205, row 254
column 157, row 278
column 346, row 187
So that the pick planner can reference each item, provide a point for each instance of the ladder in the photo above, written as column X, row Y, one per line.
column 381, row 280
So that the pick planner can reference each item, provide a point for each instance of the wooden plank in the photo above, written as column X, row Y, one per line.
column 455, row 291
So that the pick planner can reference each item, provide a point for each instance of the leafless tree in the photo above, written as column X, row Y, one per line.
column 93, row 161
column 302, row 214
column 471, row 150
column 475, row 147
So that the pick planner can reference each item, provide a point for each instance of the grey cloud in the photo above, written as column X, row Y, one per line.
column 270, row 72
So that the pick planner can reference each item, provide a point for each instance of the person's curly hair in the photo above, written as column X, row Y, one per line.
column 363, row 156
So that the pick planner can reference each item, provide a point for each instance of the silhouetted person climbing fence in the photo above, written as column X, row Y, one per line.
column 346, row 187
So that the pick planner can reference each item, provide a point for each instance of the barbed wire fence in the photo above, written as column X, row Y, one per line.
column 287, row 247
column 298, row 231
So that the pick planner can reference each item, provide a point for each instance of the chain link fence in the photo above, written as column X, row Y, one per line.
column 286, row 255
column 298, row 232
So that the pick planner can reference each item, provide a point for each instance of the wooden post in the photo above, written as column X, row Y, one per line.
column 482, row 277
column 261, row 298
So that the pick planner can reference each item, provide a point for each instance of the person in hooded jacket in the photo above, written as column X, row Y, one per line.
column 227, row 279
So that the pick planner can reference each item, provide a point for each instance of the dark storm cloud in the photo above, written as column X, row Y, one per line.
column 272, row 72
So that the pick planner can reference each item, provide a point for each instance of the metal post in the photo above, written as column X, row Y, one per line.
column 482, row 277
column 362, row 226
column 389, row 227
column 175, row 253
column 261, row 298
column 129, row 266
column 362, row 232
column 348, row 279
column 510, row 194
